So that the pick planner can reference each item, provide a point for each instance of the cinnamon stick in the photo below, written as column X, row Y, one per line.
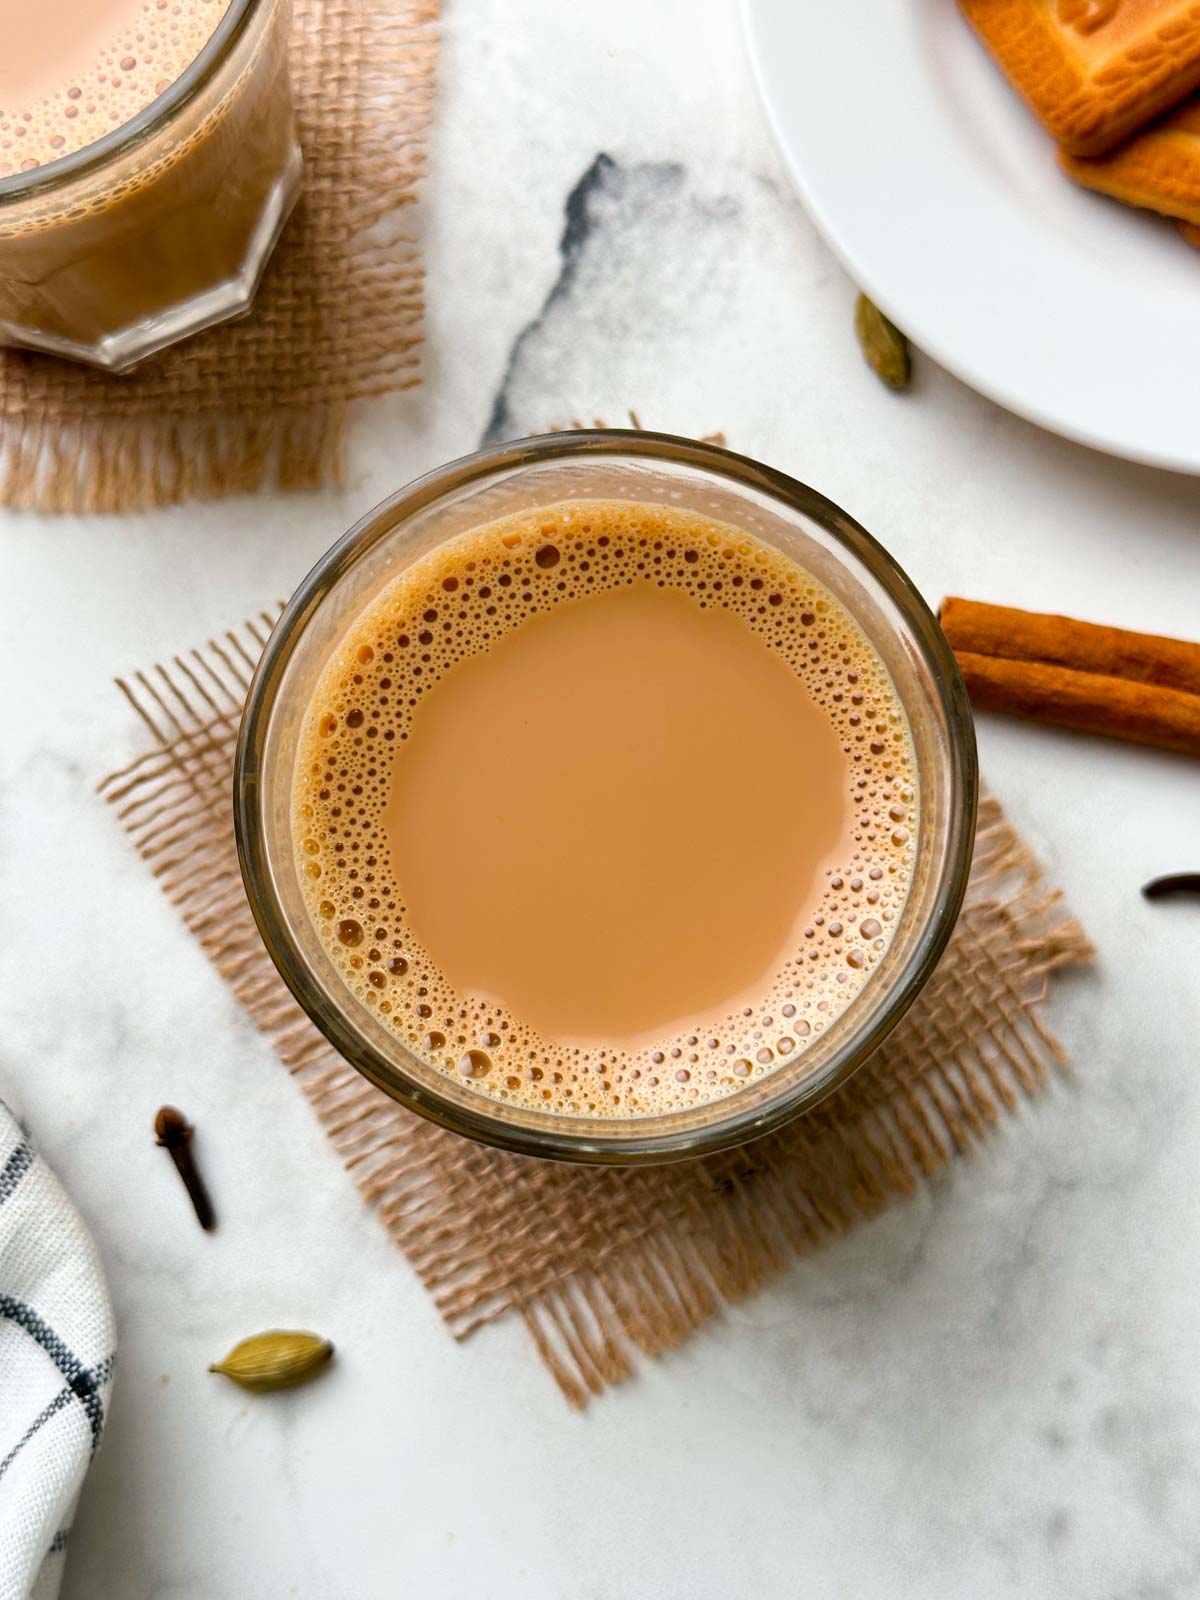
column 1004, row 631
column 1125, row 708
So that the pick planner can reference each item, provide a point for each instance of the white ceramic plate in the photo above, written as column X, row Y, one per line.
column 940, row 194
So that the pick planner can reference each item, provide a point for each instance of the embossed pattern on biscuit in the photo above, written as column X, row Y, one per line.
column 1093, row 71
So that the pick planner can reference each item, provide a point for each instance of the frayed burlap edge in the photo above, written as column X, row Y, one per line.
column 604, row 1265
column 75, row 462
column 97, row 467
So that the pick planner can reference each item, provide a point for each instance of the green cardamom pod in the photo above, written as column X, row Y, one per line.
column 884, row 346
column 275, row 1360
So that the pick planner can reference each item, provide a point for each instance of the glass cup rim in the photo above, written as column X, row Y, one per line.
column 477, row 1122
column 53, row 175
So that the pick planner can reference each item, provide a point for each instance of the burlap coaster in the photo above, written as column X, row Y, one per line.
column 602, row 1264
column 263, row 400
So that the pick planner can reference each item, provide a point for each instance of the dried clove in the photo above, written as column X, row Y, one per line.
column 1173, row 883
column 174, row 1133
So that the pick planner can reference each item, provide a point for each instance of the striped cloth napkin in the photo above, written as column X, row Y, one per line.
column 57, row 1345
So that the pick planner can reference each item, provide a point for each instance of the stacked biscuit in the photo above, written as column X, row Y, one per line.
column 1098, row 73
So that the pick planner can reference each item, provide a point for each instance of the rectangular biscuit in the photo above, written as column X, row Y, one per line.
column 1158, row 169
column 1093, row 70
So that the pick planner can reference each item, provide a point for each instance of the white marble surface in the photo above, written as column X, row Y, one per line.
column 993, row 1391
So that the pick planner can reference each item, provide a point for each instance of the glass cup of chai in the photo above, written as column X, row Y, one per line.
column 606, row 796
column 148, row 164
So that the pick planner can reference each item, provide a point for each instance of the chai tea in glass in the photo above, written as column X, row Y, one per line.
column 605, row 808
column 604, row 814
column 148, row 162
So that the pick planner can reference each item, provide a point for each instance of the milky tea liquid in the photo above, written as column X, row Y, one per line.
column 73, row 70
column 605, row 809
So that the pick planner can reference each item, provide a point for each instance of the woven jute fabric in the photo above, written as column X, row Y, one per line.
column 262, row 400
column 604, row 1264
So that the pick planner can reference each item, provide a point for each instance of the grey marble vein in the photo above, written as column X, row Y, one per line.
column 607, row 199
